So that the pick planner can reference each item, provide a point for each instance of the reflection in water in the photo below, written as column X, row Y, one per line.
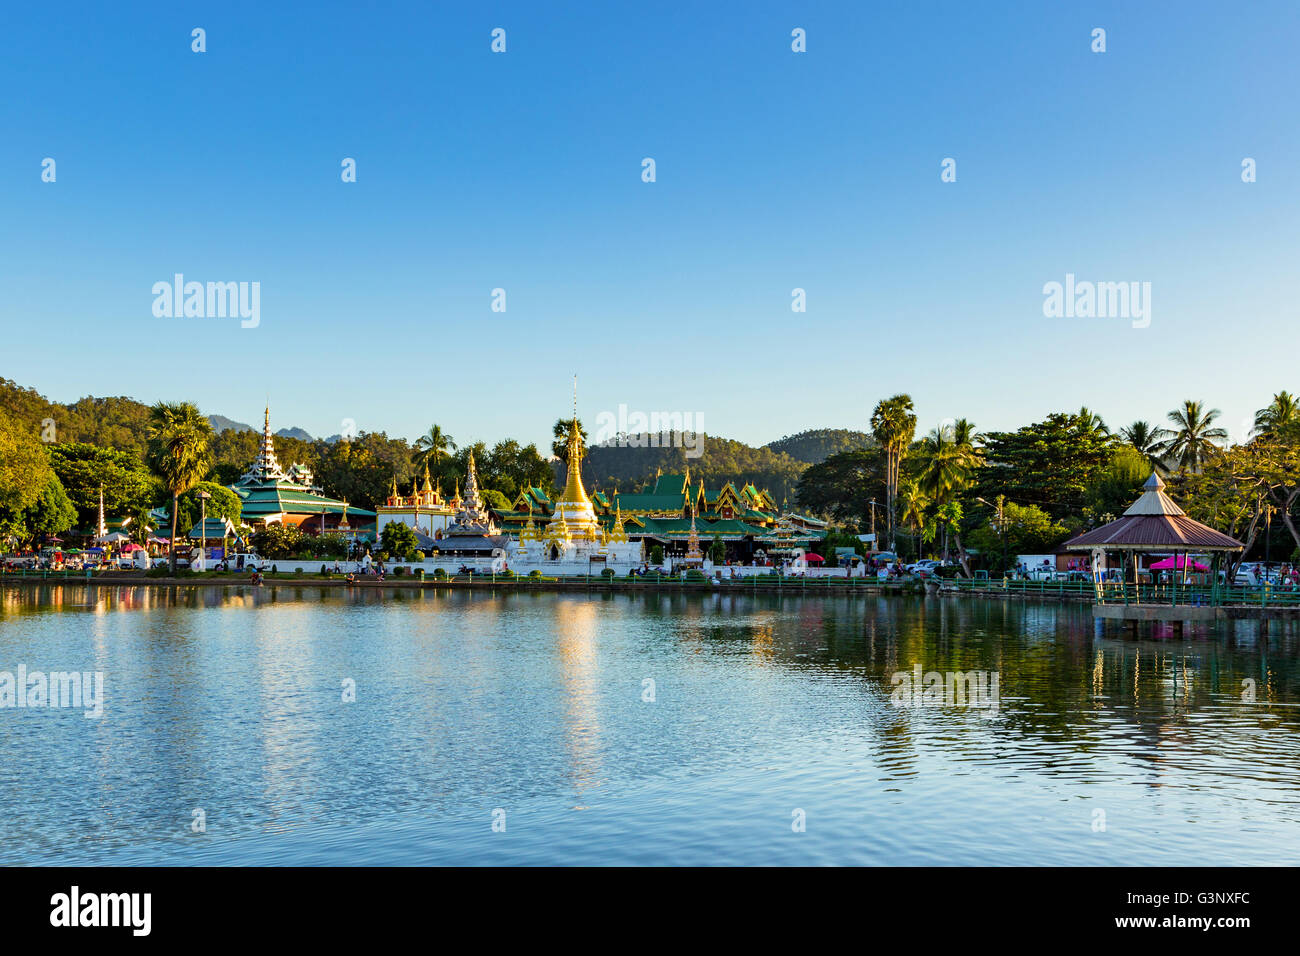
column 575, row 634
column 230, row 700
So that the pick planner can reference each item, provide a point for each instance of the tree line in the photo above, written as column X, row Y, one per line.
column 955, row 490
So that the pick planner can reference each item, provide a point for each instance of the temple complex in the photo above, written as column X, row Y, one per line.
column 427, row 511
column 269, row 495
column 473, row 532
column 574, row 538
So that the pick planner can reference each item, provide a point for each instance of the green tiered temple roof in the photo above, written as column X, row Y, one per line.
column 665, row 511
column 267, row 491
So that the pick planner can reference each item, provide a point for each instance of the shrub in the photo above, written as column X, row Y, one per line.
column 418, row 557
column 440, row 574
column 535, row 575
column 607, row 573
column 419, row 573
column 398, row 538
column 695, row 575
column 398, row 571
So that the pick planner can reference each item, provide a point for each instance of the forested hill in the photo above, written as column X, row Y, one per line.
column 721, row 460
column 817, row 444
column 121, row 422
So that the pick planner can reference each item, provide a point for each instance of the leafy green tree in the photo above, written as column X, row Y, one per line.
column 843, row 486
column 398, row 539
column 25, row 475
column 495, row 499
column 1116, row 485
column 510, row 467
column 1028, row 529
column 362, row 471
column 718, row 551
column 1148, row 440
column 1050, row 464
column 52, row 513
column 279, row 541
column 224, row 503
column 129, row 487
column 178, row 452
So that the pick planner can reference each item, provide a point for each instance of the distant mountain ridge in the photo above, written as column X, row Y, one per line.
column 220, row 423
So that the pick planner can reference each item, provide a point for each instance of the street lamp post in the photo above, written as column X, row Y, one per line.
column 1001, row 525
column 203, row 529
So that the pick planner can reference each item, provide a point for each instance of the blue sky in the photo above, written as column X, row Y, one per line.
column 775, row 170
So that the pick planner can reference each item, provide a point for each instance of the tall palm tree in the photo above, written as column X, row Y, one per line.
column 893, row 424
column 949, row 458
column 1148, row 439
column 179, row 452
column 913, row 501
column 1280, row 414
column 433, row 446
column 1194, row 439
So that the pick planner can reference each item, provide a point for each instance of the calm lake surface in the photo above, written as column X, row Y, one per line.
column 766, row 711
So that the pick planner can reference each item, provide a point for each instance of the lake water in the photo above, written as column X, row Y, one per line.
column 771, row 735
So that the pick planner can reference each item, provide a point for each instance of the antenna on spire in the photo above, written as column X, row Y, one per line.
column 575, row 396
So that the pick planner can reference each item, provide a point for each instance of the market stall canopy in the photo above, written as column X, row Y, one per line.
column 1178, row 561
column 1153, row 523
column 814, row 558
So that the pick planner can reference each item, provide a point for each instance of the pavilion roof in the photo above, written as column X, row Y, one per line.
column 1154, row 522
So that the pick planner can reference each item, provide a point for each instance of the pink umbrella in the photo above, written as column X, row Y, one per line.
column 1168, row 564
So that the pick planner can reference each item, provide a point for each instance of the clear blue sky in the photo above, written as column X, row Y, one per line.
column 775, row 170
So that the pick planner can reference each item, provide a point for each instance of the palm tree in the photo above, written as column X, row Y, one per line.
column 560, row 447
column 1281, row 413
column 964, row 433
column 1193, row 440
column 1092, row 423
column 948, row 460
column 894, row 424
column 1148, row 439
column 179, row 452
column 914, row 502
column 433, row 446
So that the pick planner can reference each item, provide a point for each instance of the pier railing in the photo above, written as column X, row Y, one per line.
column 1109, row 592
